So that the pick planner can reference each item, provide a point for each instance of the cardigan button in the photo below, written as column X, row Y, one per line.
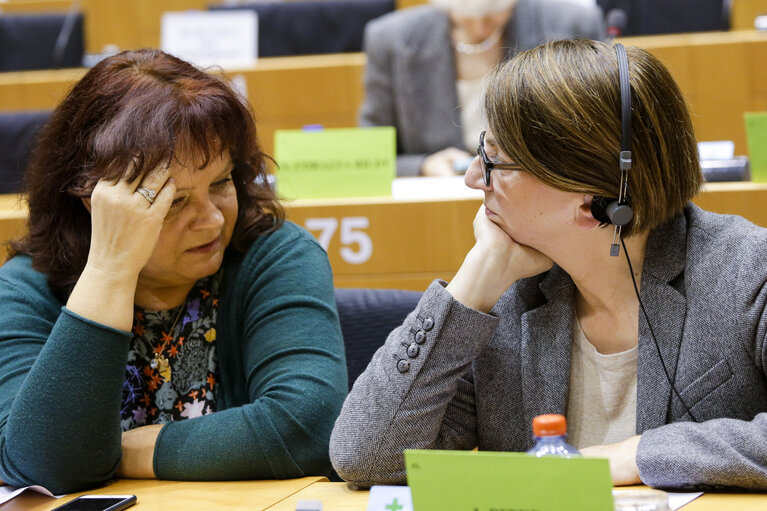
column 420, row 337
column 413, row 350
column 428, row 323
column 403, row 366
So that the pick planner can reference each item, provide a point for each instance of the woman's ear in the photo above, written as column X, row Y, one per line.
column 87, row 203
column 584, row 219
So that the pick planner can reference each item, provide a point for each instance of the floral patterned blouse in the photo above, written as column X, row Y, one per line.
column 172, row 370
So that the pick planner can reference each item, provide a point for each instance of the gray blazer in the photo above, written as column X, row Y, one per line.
column 410, row 74
column 477, row 380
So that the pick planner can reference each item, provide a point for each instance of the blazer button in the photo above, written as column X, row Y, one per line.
column 420, row 337
column 428, row 323
column 403, row 366
column 412, row 350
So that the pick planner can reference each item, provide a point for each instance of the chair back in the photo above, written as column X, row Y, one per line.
column 307, row 28
column 646, row 17
column 17, row 132
column 367, row 317
column 30, row 41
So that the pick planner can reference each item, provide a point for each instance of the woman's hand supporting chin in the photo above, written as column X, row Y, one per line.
column 493, row 264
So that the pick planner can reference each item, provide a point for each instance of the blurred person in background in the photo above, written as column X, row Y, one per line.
column 426, row 65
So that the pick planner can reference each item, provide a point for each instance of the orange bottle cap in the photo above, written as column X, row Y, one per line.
column 551, row 424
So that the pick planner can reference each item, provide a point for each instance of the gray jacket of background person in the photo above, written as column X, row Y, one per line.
column 410, row 74
column 478, row 380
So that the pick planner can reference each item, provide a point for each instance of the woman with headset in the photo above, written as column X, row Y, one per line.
column 656, row 357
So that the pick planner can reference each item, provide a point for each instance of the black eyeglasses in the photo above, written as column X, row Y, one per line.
column 488, row 165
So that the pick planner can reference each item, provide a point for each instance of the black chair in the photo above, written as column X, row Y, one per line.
column 17, row 132
column 307, row 28
column 669, row 17
column 29, row 42
column 367, row 317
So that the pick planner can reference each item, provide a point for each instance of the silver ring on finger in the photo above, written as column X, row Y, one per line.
column 149, row 194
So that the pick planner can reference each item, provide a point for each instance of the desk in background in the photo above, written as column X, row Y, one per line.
column 285, row 92
column 405, row 244
column 388, row 243
column 720, row 73
column 743, row 13
column 134, row 24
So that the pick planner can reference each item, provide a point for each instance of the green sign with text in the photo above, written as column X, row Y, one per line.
column 503, row 481
column 756, row 134
column 332, row 163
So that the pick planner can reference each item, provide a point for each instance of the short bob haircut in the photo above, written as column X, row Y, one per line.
column 555, row 110
column 130, row 114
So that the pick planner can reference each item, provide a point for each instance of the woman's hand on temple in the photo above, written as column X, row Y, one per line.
column 125, row 226
column 494, row 263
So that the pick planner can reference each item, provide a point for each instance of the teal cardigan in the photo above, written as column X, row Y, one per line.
column 281, row 363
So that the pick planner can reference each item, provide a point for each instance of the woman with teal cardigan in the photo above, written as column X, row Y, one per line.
column 161, row 318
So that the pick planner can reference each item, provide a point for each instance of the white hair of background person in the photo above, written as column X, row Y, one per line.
column 479, row 8
column 473, row 8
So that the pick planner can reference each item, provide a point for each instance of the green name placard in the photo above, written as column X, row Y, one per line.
column 756, row 134
column 503, row 481
column 332, row 163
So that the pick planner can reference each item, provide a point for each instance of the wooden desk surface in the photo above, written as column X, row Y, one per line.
column 180, row 495
column 334, row 497
column 283, row 496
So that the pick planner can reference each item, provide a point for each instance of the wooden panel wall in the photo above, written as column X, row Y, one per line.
column 413, row 242
column 722, row 75
column 285, row 92
column 403, row 4
column 744, row 11
column 124, row 23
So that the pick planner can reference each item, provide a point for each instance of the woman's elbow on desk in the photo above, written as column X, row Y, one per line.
column 56, row 474
column 356, row 460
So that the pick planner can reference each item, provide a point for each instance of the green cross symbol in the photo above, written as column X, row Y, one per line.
column 394, row 506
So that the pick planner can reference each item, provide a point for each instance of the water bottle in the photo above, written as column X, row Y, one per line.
column 550, row 432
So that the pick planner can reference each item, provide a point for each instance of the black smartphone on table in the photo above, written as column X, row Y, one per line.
column 98, row 503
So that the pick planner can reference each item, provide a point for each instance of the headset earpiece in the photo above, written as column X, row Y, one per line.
column 598, row 209
column 617, row 211
column 610, row 211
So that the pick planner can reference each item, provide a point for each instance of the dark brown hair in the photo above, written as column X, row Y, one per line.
column 128, row 115
column 555, row 110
